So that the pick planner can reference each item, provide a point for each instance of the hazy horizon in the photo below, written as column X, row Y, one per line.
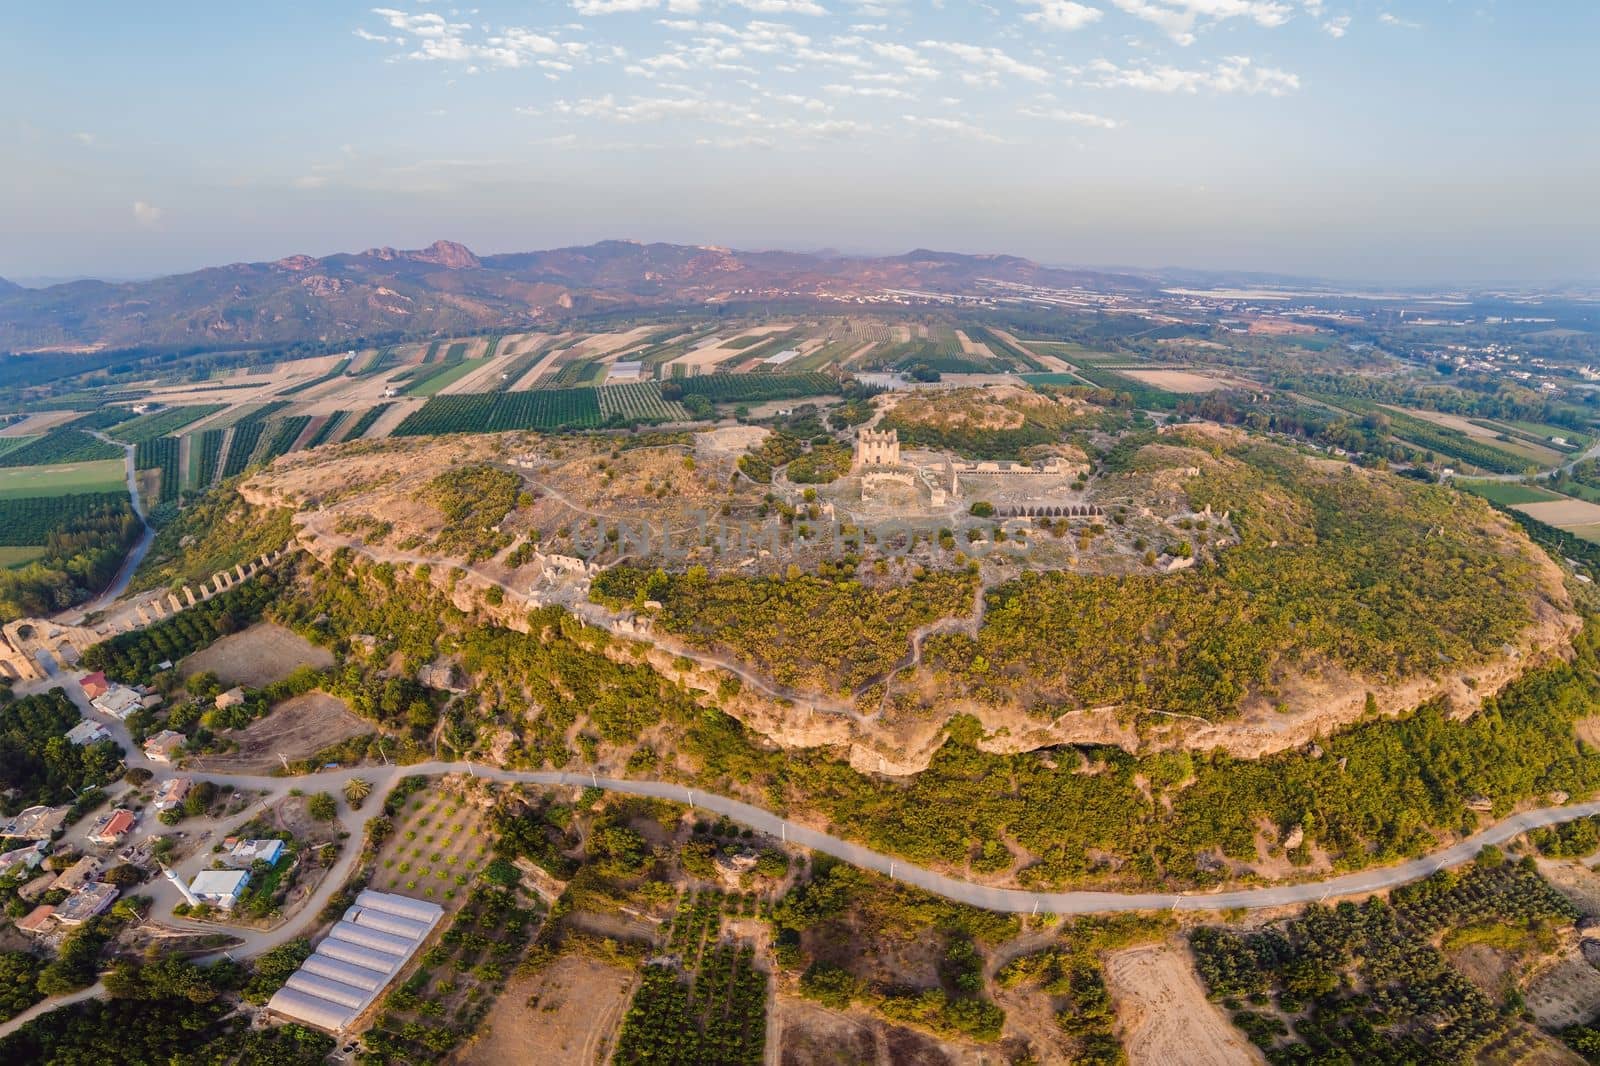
column 1414, row 142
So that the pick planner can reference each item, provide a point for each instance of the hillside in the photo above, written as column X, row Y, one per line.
column 9, row 286
column 445, row 287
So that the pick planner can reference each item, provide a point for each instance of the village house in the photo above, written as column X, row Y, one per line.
column 164, row 746
column 234, row 697
column 113, row 828
column 118, row 701
column 242, row 854
column 38, row 919
column 79, row 873
column 87, row 732
column 28, row 858
column 173, row 792
column 35, row 823
column 89, row 900
column 220, row 888
column 94, row 685
column 37, row 887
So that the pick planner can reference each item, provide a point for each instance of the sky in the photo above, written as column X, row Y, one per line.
column 1384, row 140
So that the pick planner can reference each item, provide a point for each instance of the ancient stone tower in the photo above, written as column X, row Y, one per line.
column 876, row 447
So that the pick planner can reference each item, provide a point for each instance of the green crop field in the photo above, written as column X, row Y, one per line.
column 104, row 476
column 11, row 558
column 11, row 444
column 431, row 379
column 1508, row 493
column 494, row 412
column 161, row 423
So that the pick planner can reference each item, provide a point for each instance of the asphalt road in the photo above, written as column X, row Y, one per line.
column 272, row 789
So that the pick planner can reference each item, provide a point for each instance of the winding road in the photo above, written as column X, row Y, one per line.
column 136, row 554
column 271, row 789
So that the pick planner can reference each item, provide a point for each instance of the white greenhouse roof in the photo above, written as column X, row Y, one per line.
column 356, row 960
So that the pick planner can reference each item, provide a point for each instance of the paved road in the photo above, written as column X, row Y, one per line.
column 135, row 555
column 1008, row 900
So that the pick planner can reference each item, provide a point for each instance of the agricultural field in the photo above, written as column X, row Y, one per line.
column 758, row 388
column 709, row 1008
column 161, row 453
column 543, row 409
column 12, row 557
column 204, row 455
column 162, row 423
column 366, row 421
column 639, row 402
column 60, row 446
column 1507, row 493
column 106, row 475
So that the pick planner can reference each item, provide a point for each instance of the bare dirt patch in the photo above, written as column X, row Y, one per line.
column 258, row 656
column 810, row 1035
column 1563, row 512
column 569, row 1012
column 37, row 423
column 1164, row 1014
column 1567, row 993
column 1176, row 380
column 296, row 729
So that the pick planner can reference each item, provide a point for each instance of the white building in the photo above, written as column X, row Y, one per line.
column 87, row 732
column 220, row 888
column 119, row 701
column 245, row 853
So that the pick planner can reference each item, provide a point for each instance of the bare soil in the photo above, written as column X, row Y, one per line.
column 569, row 1013
column 807, row 1034
column 295, row 729
column 1563, row 512
column 1164, row 1015
column 436, row 849
column 1176, row 380
column 257, row 656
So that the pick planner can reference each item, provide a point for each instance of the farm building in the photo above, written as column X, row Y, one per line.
column 220, row 888
column 356, row 960
column 234, row 697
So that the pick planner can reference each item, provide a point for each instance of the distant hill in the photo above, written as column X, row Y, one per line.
column 9, row 286
column 445, row 287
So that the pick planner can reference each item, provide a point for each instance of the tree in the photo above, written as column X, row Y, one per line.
column 356, row 791
column 322, row 807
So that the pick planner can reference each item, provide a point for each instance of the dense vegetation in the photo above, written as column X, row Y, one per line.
column 84, row 538
column 711, row 1008
column 805, row 630
column 37, row 762
column 1363, row 983
column 474, row 500
column 215, row 532
column 61, row 446
column 1384, row 577
column 161, row 453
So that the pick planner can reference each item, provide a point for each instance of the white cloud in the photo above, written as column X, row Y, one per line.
column 83, row 138
column 1178, row 18
column 1075, row 118
column 1389, row 18
column 986, row 65
column 1336, row 26
column 1234, row 74
column 432, row 38
column 1063, row 14
column 146, row 215
column 953, row 126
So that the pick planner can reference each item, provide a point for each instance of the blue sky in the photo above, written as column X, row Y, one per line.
column 1376, row 139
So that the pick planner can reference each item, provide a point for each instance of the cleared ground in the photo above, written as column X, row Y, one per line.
column 296, row 729
column 811, row 1035
column 1164, row 1014
column 1563, row 513
column 1176, row 380
column 36, row 424
column 569, row 1012
column 257, row 656
column 105, row 476
column 20, row 556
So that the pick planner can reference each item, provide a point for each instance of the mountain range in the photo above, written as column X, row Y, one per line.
column 385, row 293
